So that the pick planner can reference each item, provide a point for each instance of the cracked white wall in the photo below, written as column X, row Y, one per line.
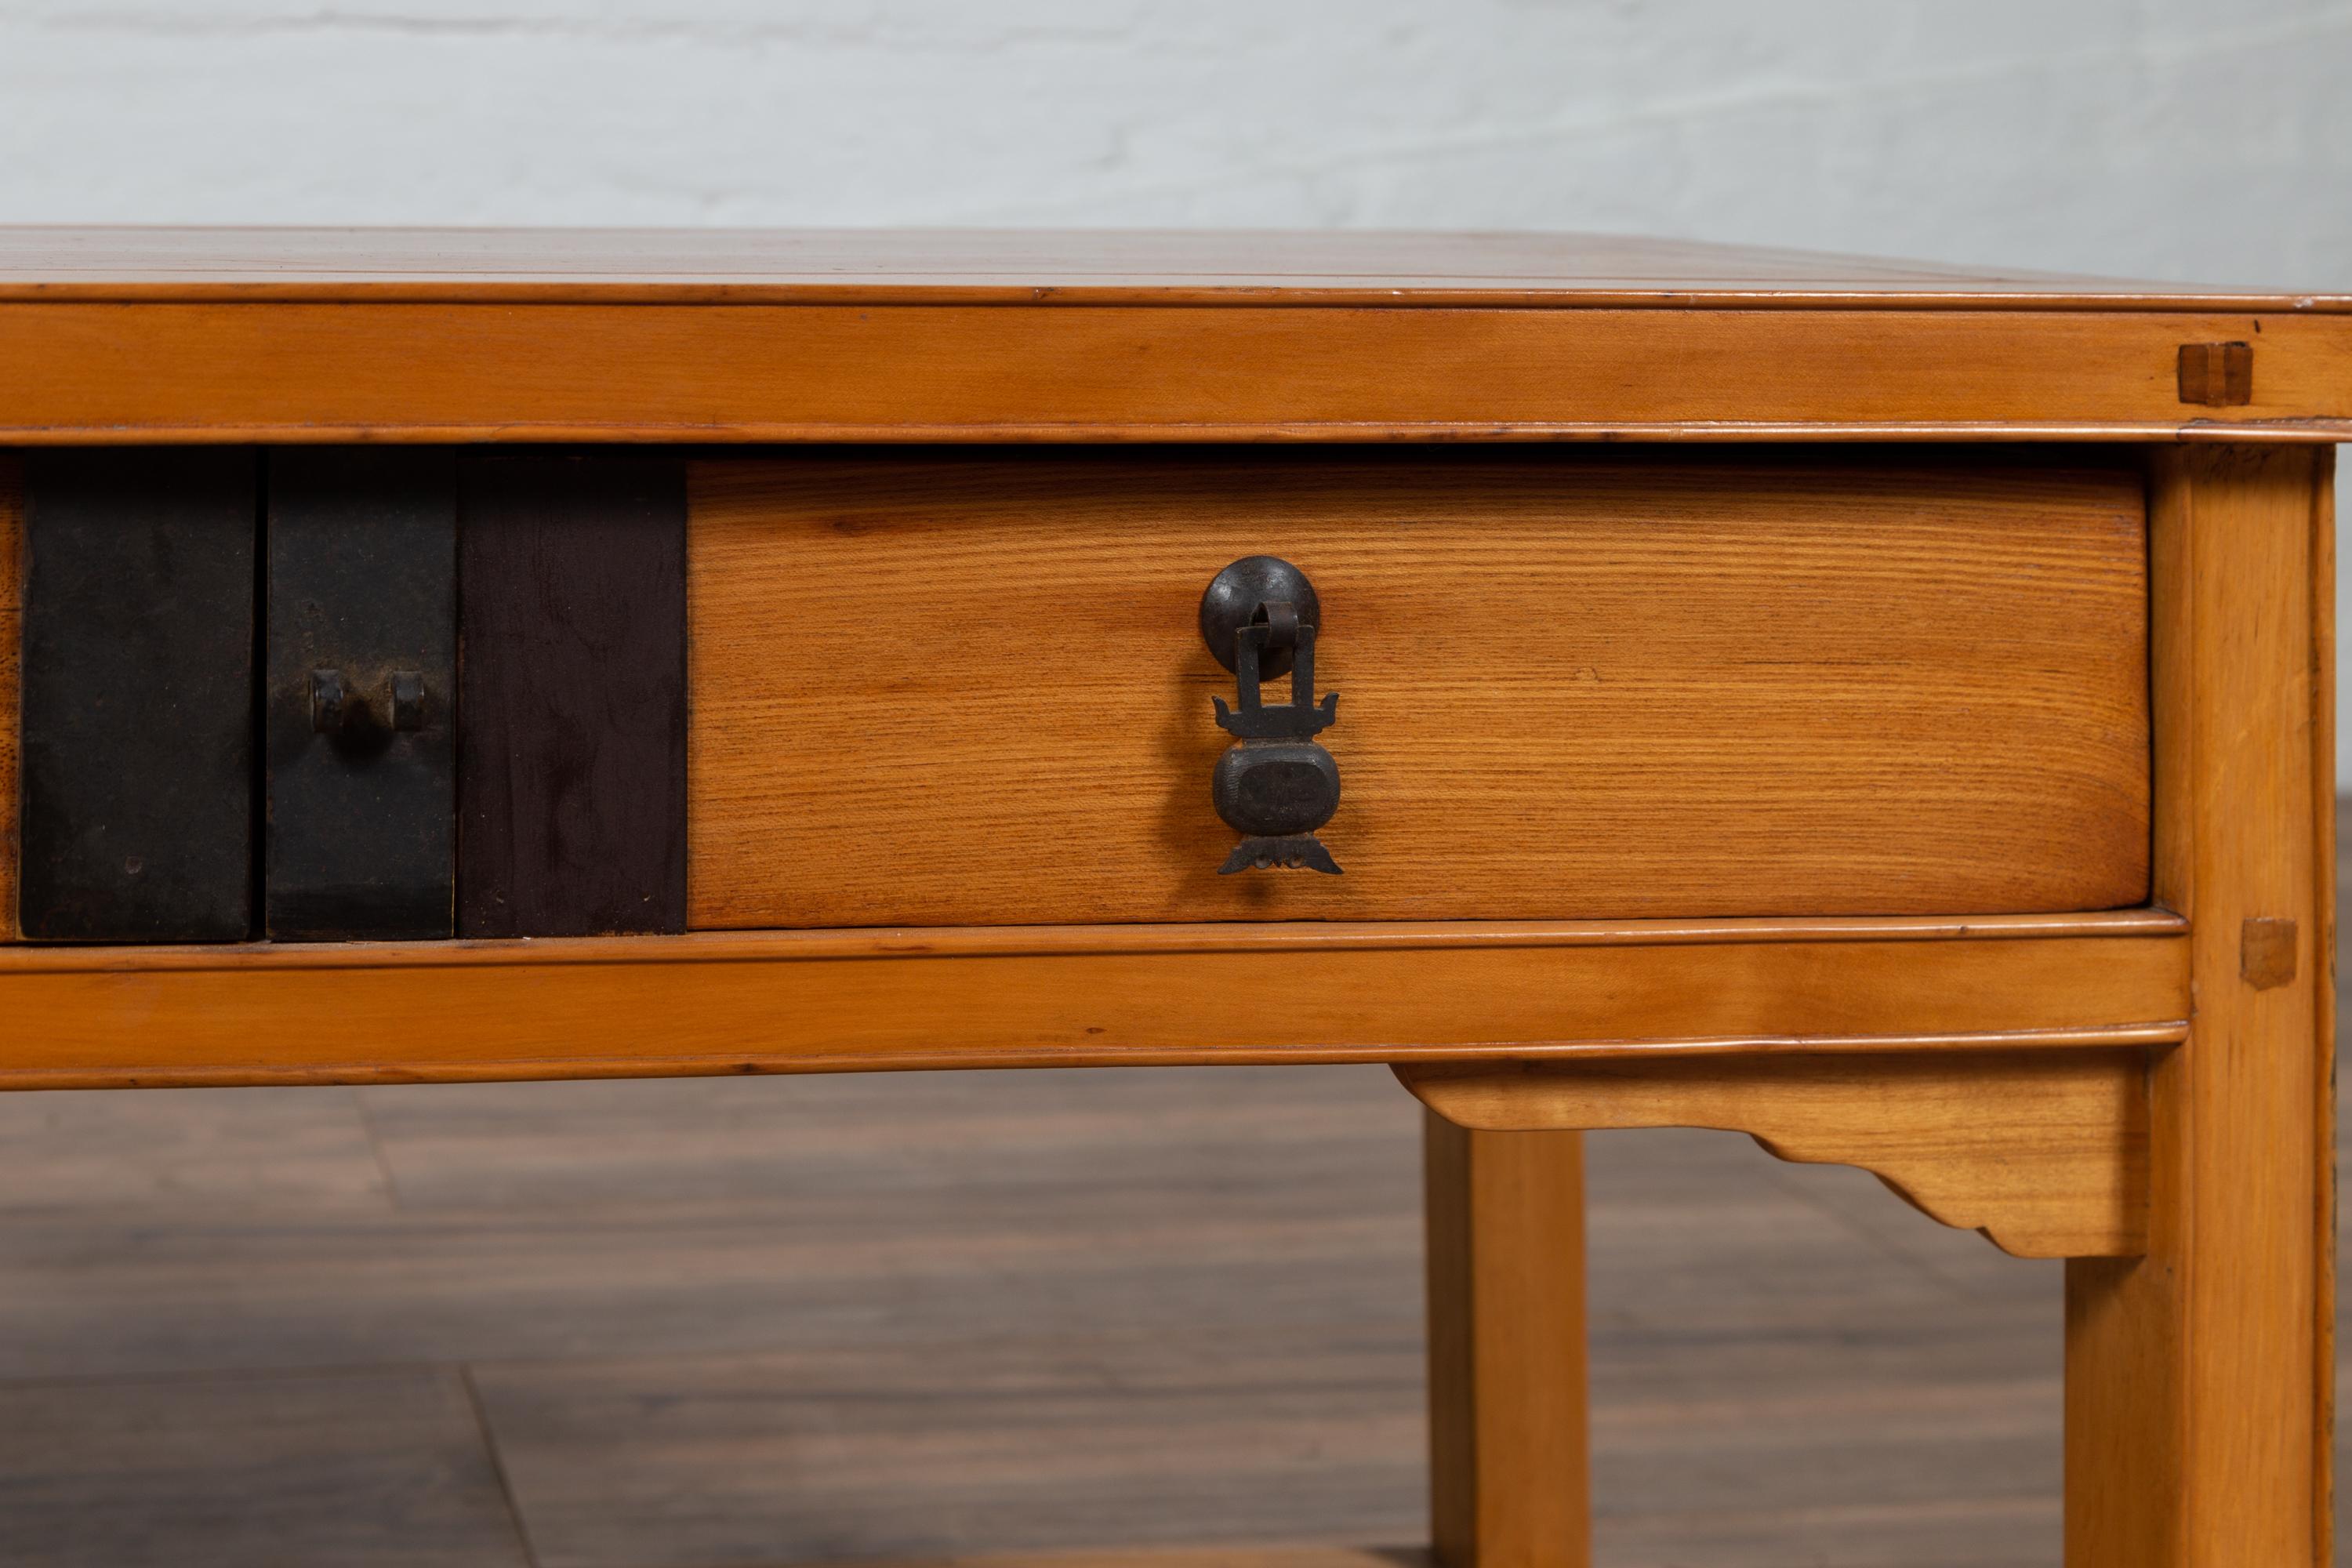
column 2178, row 139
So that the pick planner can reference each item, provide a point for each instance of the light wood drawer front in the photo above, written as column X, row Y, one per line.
column 950, row 688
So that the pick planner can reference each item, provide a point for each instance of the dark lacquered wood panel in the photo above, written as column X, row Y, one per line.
column 572, row 761
column 362, row 586
column 11, row 578
column 137, row 697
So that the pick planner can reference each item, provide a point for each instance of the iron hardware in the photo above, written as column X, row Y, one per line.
column 337, row 708
column 1275, row 784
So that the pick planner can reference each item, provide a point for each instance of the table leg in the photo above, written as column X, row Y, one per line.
column 1508, row 1455
column 2199, row 1378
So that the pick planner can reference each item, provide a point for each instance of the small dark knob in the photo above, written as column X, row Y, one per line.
column 330, row 702
column 1234, row 597
column 407, row 700
column 339, row 708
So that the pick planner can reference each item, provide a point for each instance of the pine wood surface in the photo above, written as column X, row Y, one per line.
column 2045, row 1151
column 643, row 1279
column 1027, row 266
column 1042, row 996
column 689, row 1310
column 2199, row 1410
column 1509, row 1421
column 948, row 689
column 109, row 372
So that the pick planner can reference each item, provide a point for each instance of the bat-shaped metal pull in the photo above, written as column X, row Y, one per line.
column 1275, row 784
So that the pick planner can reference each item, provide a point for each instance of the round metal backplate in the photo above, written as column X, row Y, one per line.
column 1233, row 599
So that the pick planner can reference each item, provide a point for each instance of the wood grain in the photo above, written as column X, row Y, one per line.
column 1177, row 1557
column 1211, row 1442
column 2046, row 1152
column 2217, row 375
column 940, row 689
column 1510, row 1458
column 768, row 1321
column 359, row 828
column 135, row 703
column 12, row 584
column 237, row 1470
column 690, row 1305
column 2327, row 881
column 571, row 756
column 2196, row 1377
column 1032, row 265
column 1073, row 996
column 300, row 372
column 158, row 1154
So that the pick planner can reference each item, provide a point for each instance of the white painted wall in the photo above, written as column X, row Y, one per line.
column 2181, row 139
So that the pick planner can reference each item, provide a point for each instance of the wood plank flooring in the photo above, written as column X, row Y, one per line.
column 731, row 1323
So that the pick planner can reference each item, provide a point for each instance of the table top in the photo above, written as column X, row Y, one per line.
column 716, row 335
column 1039, row 265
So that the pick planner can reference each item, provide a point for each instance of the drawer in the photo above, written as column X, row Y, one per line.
column 949, row 687
column 813, row 688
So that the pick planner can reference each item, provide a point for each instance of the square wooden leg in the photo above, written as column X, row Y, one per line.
column 1508, row 1454
column 2199, row 1379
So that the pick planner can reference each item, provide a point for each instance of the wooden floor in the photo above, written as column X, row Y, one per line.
column 720, row 1323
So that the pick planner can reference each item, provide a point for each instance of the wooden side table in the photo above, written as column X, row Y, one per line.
column 1882, row 709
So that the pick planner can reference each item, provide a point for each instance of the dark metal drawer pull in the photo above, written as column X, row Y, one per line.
column 1275, row 783
column 338, row 708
